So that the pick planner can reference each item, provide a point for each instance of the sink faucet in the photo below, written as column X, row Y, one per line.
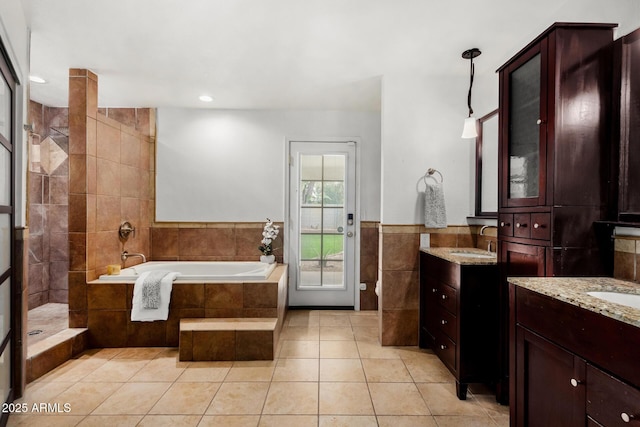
column 484, row 227
column 126, row 255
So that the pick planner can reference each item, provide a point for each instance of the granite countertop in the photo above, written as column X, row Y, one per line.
column 573, row 290
column 448, row 254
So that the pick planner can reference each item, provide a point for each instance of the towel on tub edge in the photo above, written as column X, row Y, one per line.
column 151, row 296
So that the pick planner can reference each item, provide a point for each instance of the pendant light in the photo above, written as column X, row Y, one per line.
column 470, row 130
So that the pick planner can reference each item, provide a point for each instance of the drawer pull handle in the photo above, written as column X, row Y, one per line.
column 444, row 297
column 626, row 417
column 434, row 290
column 536, row 225
column 444, row 322
column 444, row 347
column 518, row 225
column 539, row 122
column 504, row 224
column 574, row 382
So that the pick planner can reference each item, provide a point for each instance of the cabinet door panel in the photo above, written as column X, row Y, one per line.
column 545, row 393
column 522, row 260
column 609, row 398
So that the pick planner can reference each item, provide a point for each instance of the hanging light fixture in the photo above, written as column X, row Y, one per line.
column 470, row 130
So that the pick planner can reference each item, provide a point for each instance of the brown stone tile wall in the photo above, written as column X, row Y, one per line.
column 369, row 264
column 626, row 258
column 399, row 307
column 111, row 169
column 48, row 192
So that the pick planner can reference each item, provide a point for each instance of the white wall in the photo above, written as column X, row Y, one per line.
column 229, row 165
column 15, row 37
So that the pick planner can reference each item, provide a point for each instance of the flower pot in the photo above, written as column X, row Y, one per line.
column 269, row 259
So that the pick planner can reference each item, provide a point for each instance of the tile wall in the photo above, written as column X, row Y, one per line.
column 110, row 175
column 626, row 261
column 48, row 191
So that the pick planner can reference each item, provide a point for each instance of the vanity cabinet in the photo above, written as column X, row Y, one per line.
column 554, row 158
column 571, row 366
column 459, row 318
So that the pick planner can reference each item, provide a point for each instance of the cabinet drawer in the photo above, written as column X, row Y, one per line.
column 522, row 226
column 447, row 298
column 447, row 323
column 446, row 350
column 609, row 400
column 505, row 225
column 541, row 226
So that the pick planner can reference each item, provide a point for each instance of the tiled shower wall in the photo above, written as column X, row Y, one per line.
column 626, row 261
column 48, row 205
column 110, row 175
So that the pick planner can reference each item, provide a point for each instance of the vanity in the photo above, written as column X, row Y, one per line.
column 459, row 316
column 575, row 352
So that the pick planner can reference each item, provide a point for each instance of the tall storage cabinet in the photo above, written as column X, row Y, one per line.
column 554, row 158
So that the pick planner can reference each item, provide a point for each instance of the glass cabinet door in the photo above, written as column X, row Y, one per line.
column 524, row 160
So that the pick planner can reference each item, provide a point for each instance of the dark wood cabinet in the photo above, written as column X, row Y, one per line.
column 629, row 177
column 459, row 318
column 554, row 158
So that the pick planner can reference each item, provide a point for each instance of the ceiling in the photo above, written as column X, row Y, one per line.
column 274, row 54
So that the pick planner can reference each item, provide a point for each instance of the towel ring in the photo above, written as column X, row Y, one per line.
column 429, row 174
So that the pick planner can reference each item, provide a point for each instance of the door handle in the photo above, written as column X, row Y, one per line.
column 349, row 233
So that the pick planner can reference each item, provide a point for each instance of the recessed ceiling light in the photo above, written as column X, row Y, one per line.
column 37, row 79
column 206, row 98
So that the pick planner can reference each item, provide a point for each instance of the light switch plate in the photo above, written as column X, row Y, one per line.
column 425, row 240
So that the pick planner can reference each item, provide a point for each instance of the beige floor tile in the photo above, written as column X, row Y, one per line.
column 162, row 369
column 406, row 421
column 366, row 334
column 369, row 350
column 73, row 370
column 334, row 319
column 297, row 370
column 237, row 398
column 300, row 333
column 336, row 333
column 299, row 349
column 397, row 399
column 347, row 421
column 499, row 418
column 428, row 369
column 339, row 350
column 133, row 399
column 341, row 370
column 386, row 371
column 229, row 421
column 39, row 391
column 295, row 318
column 139, row 352
column 100, row 353
column 292, row 398
column 464, row 421
column 186, row 398
column 116, row 370
column 45, row 420
column 288, row 421
column 365, row 319
column 345, row 399
column 205, row 372
column 170, row 421
column 258, row 370
column 111, row 420
column 83, row 398
column 442, row 400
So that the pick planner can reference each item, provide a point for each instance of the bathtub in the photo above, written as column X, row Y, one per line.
column 197, row 271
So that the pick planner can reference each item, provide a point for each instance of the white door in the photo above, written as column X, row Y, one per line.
column 322, row 224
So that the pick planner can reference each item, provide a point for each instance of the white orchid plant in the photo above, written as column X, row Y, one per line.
column 269, row 234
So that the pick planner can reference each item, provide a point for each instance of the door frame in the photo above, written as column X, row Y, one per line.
column 356, row 221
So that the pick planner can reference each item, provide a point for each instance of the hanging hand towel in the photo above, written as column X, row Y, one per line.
column 151, row 296
column 435, row 215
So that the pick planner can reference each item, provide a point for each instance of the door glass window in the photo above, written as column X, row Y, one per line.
column 524, row 131
column 5, row 242
column 322, row 221
column 5, row 308
column 5, row 176
column 5, row 109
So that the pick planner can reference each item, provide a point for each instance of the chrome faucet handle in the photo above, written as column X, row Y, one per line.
column 125, row 230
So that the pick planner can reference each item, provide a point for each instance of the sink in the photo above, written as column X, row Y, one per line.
column 468, row 254
column 630, row 300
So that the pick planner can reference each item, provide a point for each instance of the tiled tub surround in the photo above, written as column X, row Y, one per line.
column 574, row 291
column 109, row 308
column 398, row 272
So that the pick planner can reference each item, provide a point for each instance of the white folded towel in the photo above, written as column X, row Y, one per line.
column 161, row 310
column 435, row 215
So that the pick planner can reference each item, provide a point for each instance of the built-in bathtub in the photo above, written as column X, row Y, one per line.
column 226, row 290
column 198, row 271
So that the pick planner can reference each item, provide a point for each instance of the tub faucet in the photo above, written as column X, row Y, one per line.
column 484, row 227
column 126, row 255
